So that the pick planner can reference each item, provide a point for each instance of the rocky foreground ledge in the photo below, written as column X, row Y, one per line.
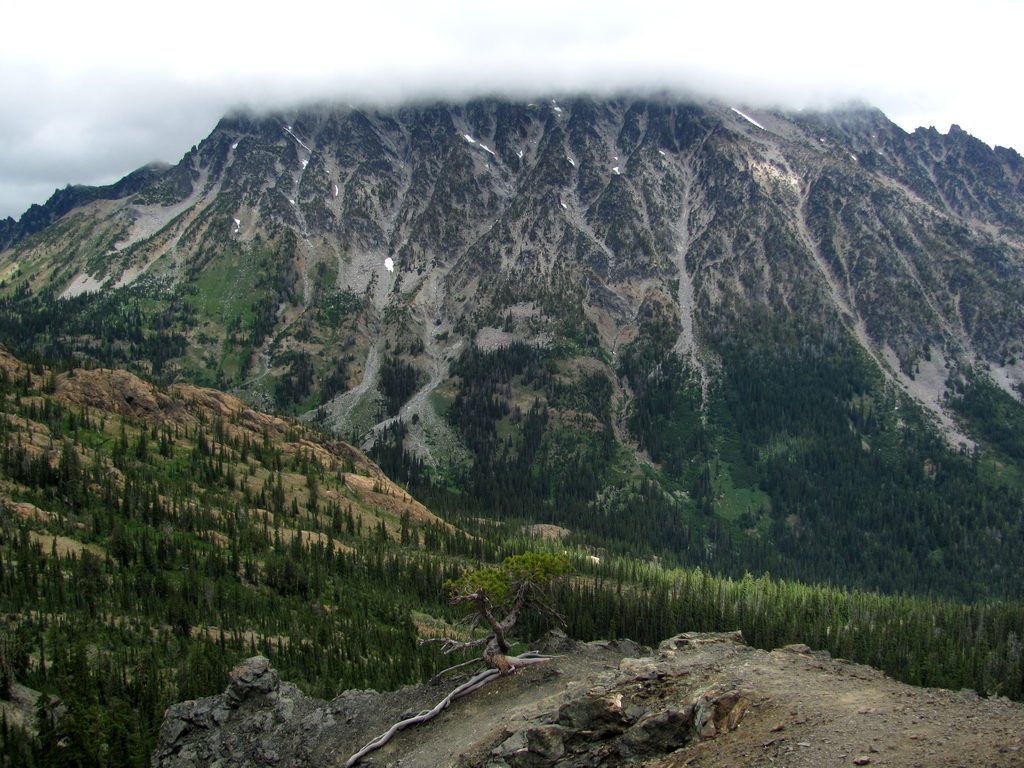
column 699, row 700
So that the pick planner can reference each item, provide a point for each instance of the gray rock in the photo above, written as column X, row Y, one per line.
column 659, row 732
column 533, row 748
column 695, row 639
column 594, row 713
column 252, row 677
column 718, row 712
column 557, row 642
column 257, row 721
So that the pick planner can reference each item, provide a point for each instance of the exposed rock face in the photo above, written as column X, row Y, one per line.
column 910, row 243
column 352, row 262
column 706, row 699
column 38, row 217
column 258, row 720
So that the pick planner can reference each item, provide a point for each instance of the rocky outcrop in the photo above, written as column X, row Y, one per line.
column 258, row 720
column 704, row 699
column 121, row 393
column 38, row 217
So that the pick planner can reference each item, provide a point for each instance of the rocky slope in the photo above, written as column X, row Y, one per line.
column 150, row 536
column 703, row 332
column 438, row 225
column 699, row 699
column 347, row 475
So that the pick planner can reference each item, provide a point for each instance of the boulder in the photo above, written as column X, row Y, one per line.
column 599, row 715
column 718, row 712
column 536, row 747
column 659, row 732
column 252, row 678
column 257, row 720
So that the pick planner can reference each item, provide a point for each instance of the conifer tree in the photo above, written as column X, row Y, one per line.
column 500, row 596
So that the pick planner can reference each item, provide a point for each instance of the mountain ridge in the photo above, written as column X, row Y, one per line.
column 909, row 168
column 618, row 279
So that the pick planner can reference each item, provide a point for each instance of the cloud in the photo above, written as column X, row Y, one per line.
column 92, row 91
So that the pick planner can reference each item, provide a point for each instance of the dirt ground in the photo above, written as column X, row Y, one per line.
column 704, row 700
column 813, row 712
column 805, row 710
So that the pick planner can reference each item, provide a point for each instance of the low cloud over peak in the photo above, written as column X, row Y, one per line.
column 91, row 92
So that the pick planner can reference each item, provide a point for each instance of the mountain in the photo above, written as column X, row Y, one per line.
column 746, row 339
column 96, row 435
column 39, row 217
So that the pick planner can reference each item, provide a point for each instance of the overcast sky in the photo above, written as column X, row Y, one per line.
column 91, row 91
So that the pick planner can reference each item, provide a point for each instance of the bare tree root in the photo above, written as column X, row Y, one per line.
column 475, row 683
column 529, row 657
column 450, row 646
column 444, row 672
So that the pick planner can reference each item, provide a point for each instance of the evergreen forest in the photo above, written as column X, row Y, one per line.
column 152, row 539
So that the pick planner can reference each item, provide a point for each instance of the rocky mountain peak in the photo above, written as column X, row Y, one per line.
column 709, row 291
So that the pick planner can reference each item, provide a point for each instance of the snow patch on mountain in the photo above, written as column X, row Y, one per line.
column 288, row 130
column 476, row 143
